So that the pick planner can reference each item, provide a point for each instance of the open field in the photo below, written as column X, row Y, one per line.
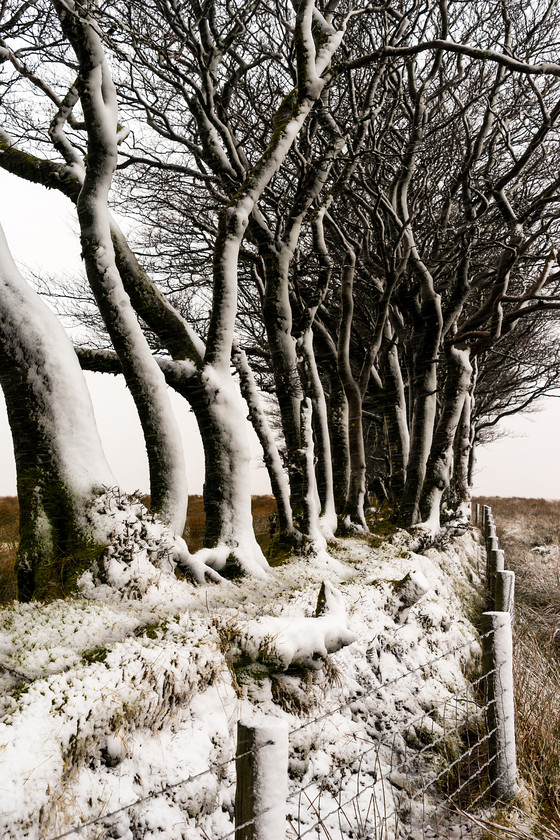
column 529, row 533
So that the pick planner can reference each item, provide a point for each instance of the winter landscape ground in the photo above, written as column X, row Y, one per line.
column 107, row 699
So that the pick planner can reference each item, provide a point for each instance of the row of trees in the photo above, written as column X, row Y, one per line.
column 349, row 208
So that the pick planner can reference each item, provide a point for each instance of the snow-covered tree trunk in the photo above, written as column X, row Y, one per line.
column 395, row 415
column 289, row 356
column 424, row 405
column 354, row 508
column 59, row 458
column 438, row 472
column 143, row 376
column 271, row 456
column 277, row 316
column 337, row 415
column 461, row 460
column 230, row 541
column 322, row 443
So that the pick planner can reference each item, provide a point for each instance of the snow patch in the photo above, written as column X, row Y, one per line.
column 129, row 709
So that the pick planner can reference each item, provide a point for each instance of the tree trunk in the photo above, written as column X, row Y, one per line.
column 277, row 316
column 438, row 472
column 322, row 445
column 424, row 411
column 354, row 508
column 396, row 418
column 337, row 415
column 271, row 456
column 461, row 461
column 229, row 539
column 59, row 459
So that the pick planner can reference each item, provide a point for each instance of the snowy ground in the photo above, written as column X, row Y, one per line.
column 108, row 701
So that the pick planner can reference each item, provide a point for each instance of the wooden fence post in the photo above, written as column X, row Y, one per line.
column 495, row 564
column 505, row 591
column 498, row 668
column 262, row 779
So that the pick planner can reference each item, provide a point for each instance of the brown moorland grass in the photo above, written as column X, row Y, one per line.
column 9, row 534
column 529, row 533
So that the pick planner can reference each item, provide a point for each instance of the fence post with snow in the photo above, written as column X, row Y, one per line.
column 498, row 667
column 505, row 591
column 495, row 564
column 262, row 779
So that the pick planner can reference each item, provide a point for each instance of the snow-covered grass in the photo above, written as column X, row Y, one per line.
column 107, row 701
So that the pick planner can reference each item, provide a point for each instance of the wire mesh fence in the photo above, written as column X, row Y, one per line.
column 412, row 780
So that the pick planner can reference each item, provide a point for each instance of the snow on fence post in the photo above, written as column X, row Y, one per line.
column 490, row 535
column 477, row 515
column 505, row 591
column 262, row 779
column 498, row 668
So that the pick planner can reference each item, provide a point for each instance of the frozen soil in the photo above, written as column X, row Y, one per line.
column 107, row 701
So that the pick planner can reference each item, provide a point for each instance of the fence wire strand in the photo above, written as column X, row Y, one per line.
column 379, row 800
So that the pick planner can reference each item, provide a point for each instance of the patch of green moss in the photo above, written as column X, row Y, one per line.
column 98, row 654
column 280, row 550
column 19, row 690
column 381, row 531
column 152, row 631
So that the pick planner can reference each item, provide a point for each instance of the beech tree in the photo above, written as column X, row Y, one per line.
column 201, row 371
column 351, row 205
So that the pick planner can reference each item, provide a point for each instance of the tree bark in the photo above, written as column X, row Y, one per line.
column 461, row 460
column 424, row 388
column 337, row 415
column 59, row 458
column 322, row 443
column 438, row 472
column 396, row 417
column 271, row 456
column 354, row 508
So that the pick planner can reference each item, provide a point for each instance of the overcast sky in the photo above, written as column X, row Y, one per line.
column 42, row 234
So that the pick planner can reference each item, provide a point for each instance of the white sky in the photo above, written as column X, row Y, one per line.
column 41, row 231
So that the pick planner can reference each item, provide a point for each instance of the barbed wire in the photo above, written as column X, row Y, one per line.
column 391, row 682
column 385, row 739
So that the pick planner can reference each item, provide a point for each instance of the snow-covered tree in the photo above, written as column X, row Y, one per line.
column 199, row 370
column 350, row 207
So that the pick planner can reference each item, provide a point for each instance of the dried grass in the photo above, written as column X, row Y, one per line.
column 523, row 525
column 9, row 535
column 263, row 508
